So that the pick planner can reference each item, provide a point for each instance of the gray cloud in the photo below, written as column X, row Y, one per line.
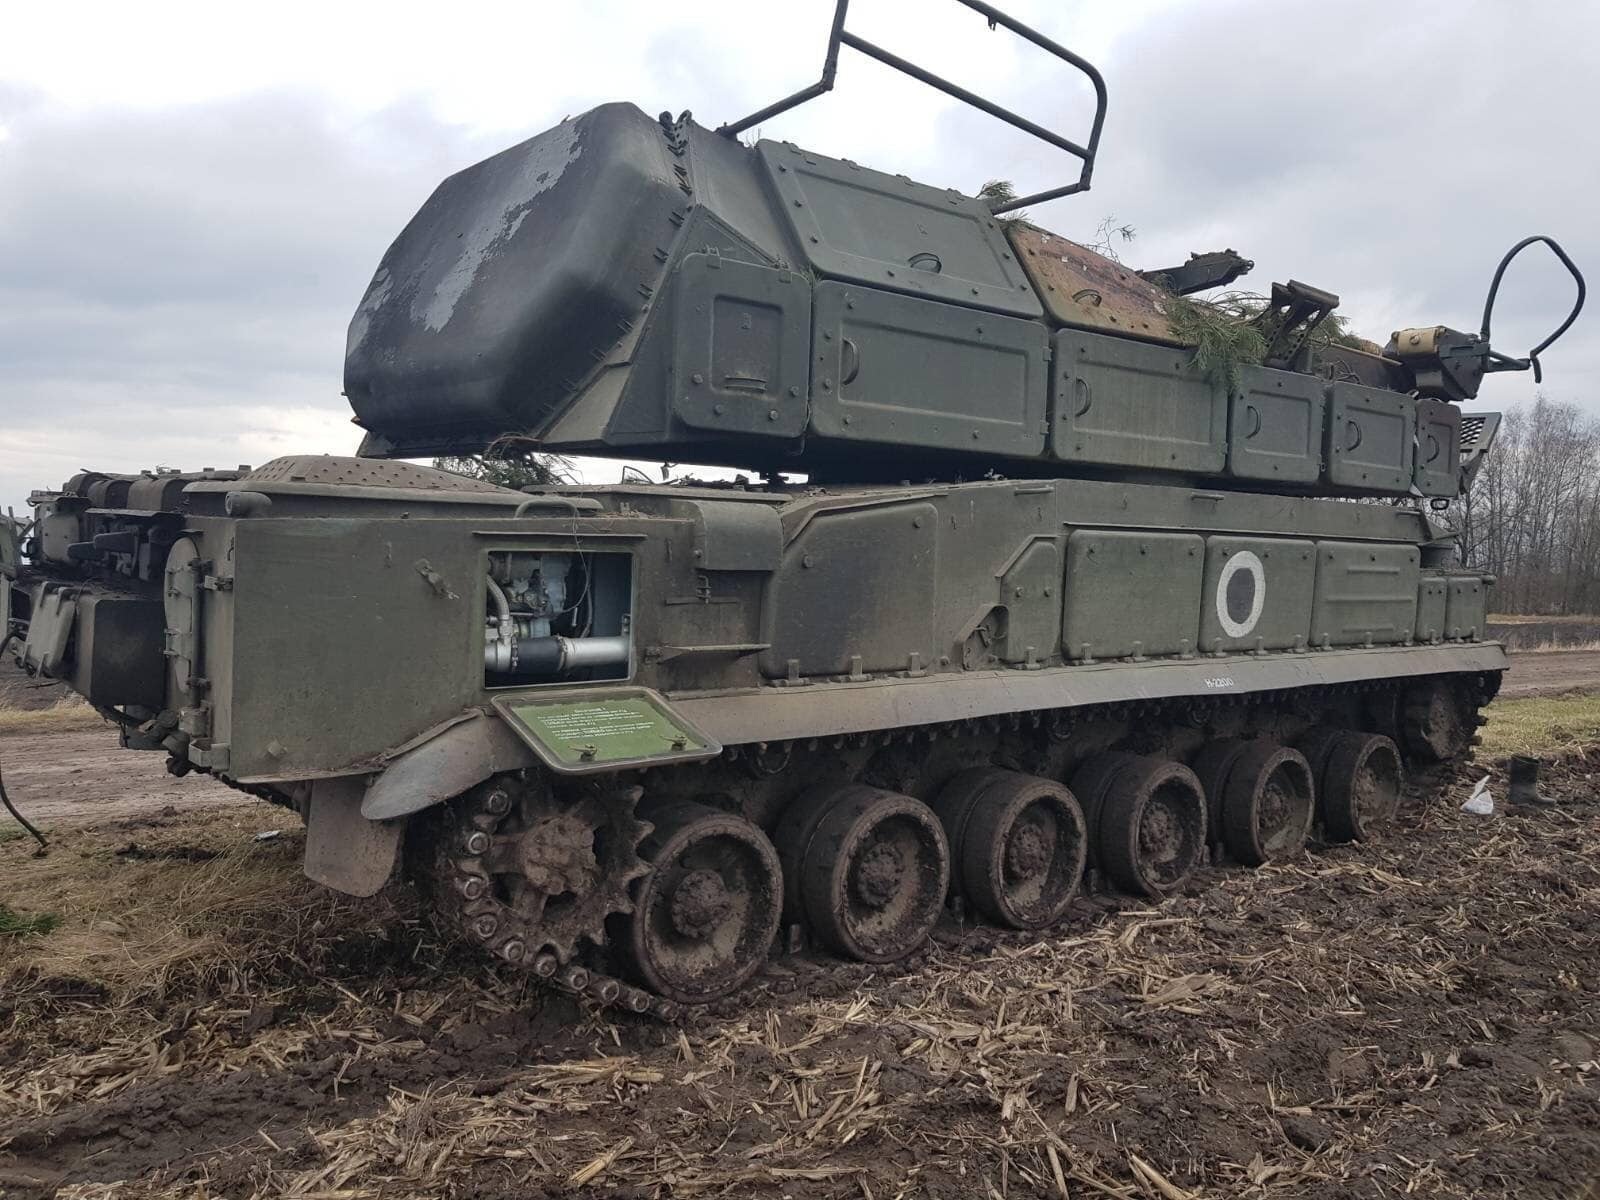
column 175, row 283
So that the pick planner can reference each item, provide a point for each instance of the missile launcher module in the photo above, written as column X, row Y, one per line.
column 1055, row 595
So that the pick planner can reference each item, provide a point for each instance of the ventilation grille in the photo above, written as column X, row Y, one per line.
column 367, row 472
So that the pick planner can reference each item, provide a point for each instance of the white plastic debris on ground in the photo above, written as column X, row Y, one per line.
column 1481, row 802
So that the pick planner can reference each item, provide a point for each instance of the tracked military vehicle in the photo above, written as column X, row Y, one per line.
column 1051, row 596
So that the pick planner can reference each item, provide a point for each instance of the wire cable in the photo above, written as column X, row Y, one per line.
column 20, row 819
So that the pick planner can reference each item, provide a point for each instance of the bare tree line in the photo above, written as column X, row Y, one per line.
column 1532, row 517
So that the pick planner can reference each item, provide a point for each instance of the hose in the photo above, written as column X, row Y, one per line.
column 20, row 819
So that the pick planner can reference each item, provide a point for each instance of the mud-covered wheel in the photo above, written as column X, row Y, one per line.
column 1152, row 827
column 1438, row 720
column 1091, row 784
column 1211, row 767
column 1017, row 845
column 1267, row 804
column 1361, row 785
column 870, row 870
column 705, row 916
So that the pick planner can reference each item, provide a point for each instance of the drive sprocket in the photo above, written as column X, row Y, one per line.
column 531, row 875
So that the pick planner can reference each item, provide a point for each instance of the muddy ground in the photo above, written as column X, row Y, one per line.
column 1412, row 1017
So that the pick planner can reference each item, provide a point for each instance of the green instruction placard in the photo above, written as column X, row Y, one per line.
column 626, row 729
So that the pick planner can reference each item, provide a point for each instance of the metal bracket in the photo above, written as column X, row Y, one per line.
column 840, row 36
column 1291, row 316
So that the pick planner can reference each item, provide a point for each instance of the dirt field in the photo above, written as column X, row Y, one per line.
column 1413, row 1017
column 1552, row 672
column 82, row 776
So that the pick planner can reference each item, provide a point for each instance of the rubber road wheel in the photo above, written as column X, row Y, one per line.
column 873, row 874
column 1211, row 767
column 1362, row 785
column 1267, row 804
column 706, row 915
column 1091, row 782
column 1152, row 827
column 1017, row 845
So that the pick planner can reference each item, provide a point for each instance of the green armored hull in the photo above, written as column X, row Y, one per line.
column 1055, row 597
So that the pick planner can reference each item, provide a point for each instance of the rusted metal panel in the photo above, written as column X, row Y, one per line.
column 1085, row 290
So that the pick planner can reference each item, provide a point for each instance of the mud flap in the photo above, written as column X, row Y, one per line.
column 344, row 850
column 443, row 764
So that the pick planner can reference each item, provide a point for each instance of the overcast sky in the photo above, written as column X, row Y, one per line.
column 194, row 196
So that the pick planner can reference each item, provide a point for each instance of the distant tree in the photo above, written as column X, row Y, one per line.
column 516, row 472
column 1532, row 518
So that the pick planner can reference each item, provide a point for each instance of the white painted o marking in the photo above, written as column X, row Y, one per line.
column 1242, row 560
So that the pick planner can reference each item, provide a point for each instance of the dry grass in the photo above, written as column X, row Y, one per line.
column 142, row 912
column 66, row 714
column 1547, row 726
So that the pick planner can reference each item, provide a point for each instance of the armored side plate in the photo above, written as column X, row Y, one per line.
column 578, row 732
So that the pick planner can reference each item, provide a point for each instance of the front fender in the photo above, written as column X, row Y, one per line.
column 442, row 765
